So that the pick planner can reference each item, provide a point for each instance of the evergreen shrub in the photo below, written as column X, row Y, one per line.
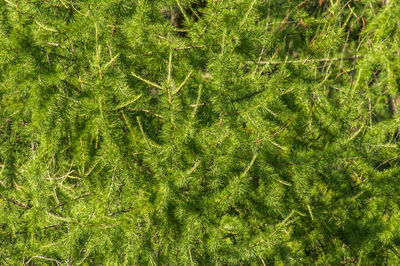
column 245, row 133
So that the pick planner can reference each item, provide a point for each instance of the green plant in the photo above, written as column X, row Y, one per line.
column 258, row 132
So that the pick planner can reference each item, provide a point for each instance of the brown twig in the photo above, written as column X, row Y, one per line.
column 307, row 60
column 16, row 202
column 76, row 198
column 189, row 47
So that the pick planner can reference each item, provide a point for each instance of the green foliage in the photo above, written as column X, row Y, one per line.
column 255, row 133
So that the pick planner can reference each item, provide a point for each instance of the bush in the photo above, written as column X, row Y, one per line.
column 246, row 133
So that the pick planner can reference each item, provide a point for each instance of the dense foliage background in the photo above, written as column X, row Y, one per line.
column 228, row 132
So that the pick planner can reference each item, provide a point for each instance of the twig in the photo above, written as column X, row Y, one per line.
column 183, row 83
column 200, row 104
column 147, row 81
column 50, row 226
column 347, row 261
column 146, row 111
column 17, row 203
column 263, row 262
column 128, row 103
column 307, row 60
column 240, row 178
column 44, row 258
column 76, row 198
column 121, row 211
column 189, row 47
column 248, row 12
column 129, row 126
column 282, row 224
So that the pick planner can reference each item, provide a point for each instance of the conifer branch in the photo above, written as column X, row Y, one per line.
column 169, row 78
column 142, row 131
column 127, row 123
column 147, row 81
column 240, row 178
column 128, row 103
column 197, row 101
column 182, row 11
column 111, row 61
column 183, row 83
column 281, row 224
column 247, row 13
